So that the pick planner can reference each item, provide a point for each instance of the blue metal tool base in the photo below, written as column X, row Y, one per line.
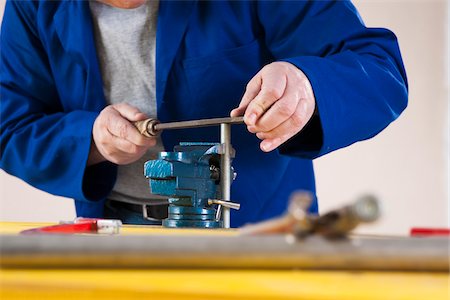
column 191, row 224
column 189, row 176
column 188, row 216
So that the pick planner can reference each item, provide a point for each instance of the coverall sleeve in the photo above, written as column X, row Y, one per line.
column 357, row 73
column 42, row 143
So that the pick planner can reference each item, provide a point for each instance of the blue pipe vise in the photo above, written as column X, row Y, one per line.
column 190, row 177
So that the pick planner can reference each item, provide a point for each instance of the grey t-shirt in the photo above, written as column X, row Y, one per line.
column 125, row 41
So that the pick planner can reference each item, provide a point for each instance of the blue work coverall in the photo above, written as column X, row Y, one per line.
column 206, row 52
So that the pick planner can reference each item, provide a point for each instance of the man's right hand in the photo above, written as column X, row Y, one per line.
column 115, row 138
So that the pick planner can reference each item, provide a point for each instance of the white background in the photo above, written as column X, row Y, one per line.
column 406, row 165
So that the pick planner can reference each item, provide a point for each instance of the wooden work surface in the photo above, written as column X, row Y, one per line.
column 211, row 283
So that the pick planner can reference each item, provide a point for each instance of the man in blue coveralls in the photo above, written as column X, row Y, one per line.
column 308, row 77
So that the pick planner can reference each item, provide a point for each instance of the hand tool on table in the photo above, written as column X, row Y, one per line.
column 334, row 224
column 429, row 232
column 190, row 174
column 152, row 127
column 80, row 225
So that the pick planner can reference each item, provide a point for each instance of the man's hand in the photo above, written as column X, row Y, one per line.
column 115, row 138
column 278, row 102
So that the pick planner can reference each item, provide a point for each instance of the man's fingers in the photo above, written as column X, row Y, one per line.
column 281, row 108
column 121, row 152
column 272, row 88
column 116, row 138
column 127, row 147
column 120, row 127
column 291, row 125
column 252, row 90
column 275, row 137
column 280, row 111
column 129, row 112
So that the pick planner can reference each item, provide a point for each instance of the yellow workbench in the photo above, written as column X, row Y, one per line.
column 211, row 283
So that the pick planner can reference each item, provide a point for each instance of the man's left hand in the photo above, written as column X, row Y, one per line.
column 277, row 104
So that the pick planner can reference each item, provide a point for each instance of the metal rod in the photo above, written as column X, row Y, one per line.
column 228, row 204
column 225, row 170
column 219, row 213
column 199, row 123
column 152, row 127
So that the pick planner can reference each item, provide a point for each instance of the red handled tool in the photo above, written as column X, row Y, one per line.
column 418, row 231
column 80, row 225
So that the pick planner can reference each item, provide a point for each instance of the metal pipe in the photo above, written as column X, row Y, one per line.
column 225, row 170
column 199, row 123
column 219, row 213
column 152, row 127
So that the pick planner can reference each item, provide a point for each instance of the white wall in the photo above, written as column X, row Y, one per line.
column 21, row 202
column 406, row 165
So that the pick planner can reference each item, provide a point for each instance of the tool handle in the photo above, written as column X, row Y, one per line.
column 152, row 127
column 147, row 127
column 423, row 231
column 90, row 227
column 227, row 204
